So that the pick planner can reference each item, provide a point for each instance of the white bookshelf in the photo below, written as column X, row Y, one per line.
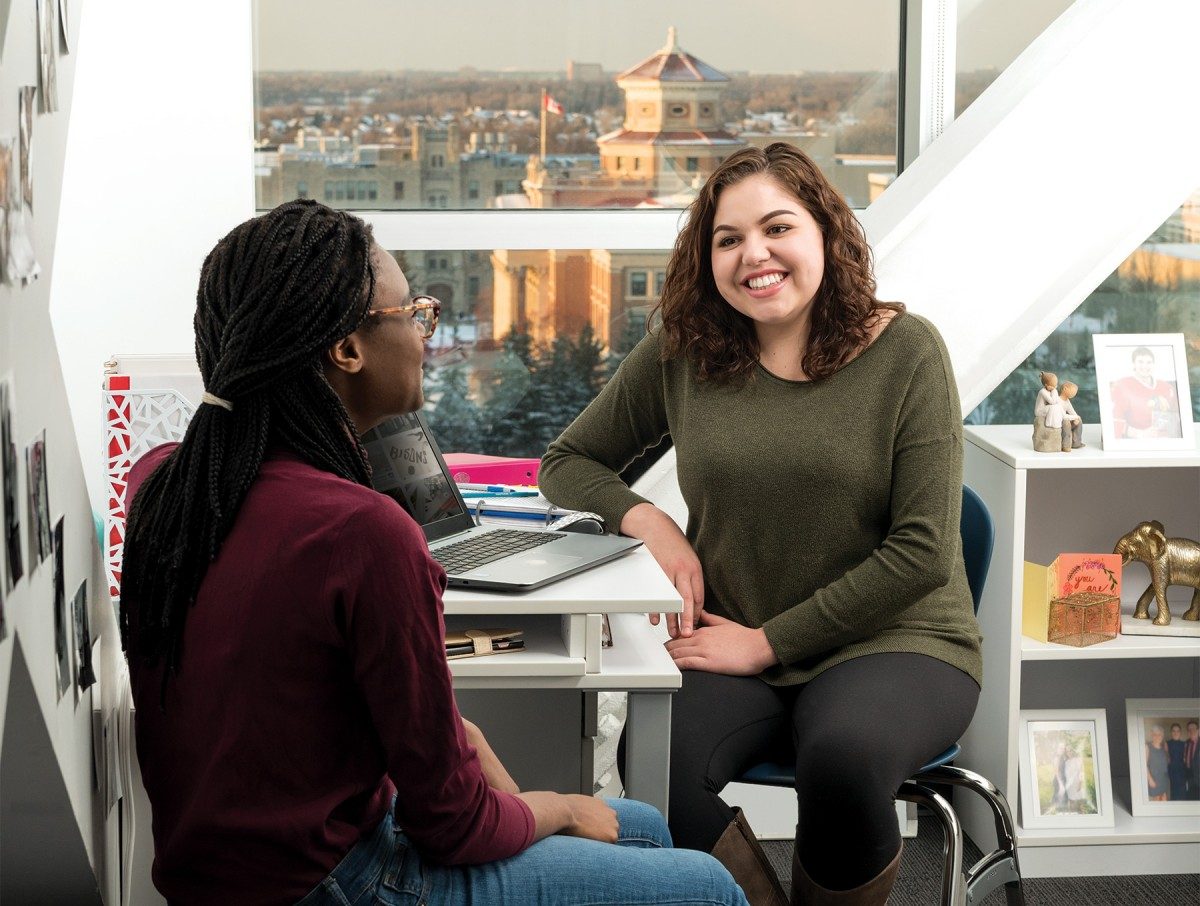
column 1123, row 646
column 1044, row 504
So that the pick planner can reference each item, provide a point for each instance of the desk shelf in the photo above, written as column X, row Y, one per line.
column 545, row 654
column 1045, row 504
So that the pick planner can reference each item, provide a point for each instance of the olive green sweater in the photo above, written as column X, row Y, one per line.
column 825, row 511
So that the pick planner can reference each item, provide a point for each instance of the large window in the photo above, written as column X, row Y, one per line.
column 552, row 104
column 625, row 106
column 527, row 338
column 1155, row 290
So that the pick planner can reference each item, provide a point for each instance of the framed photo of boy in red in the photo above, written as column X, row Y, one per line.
column 1142, row 388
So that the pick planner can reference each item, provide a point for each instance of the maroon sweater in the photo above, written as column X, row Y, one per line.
column 313, row 686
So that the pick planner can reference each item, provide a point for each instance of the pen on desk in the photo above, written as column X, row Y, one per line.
column 497, row 495
column 497, row 489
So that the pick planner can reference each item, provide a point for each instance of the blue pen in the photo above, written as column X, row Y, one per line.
column 497, row 489
column 505, row 493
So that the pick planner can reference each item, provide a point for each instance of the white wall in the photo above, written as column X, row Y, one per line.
column 46, row 794
column 158, row 168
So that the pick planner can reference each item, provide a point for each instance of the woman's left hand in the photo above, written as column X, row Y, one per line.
column 723, row 646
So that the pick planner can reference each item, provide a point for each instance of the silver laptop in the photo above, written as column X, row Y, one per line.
column 408, row 467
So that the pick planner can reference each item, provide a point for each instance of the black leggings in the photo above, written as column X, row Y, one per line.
column 856, row 732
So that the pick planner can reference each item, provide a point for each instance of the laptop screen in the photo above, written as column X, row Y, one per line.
column 407, row 466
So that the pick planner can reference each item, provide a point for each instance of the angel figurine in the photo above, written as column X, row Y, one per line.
column 1048, row 415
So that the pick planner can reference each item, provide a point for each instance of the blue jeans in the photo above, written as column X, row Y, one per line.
column 642, row 868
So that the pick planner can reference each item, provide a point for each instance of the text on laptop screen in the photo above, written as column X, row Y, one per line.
column 405, row 467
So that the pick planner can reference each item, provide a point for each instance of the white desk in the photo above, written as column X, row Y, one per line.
column 562, row 624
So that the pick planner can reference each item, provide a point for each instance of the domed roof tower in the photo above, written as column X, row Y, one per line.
column 673, row 135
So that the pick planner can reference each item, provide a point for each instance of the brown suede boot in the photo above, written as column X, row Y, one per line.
column 739, row 851
column 806, row 891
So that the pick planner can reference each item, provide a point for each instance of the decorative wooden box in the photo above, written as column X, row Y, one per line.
column 1084, row 618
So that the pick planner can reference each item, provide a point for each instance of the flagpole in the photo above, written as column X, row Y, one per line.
column 542, row 117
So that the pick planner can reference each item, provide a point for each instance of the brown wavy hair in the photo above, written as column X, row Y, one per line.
column 698, row 323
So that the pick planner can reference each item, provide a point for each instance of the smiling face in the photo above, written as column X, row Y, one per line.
column 1143, row 366
column 768, row 257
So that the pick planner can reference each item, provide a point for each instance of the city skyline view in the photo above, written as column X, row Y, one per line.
column 647, row 136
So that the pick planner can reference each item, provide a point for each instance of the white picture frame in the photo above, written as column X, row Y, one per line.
column 1142, row 717
column 1063, row 769
column 1143, row 392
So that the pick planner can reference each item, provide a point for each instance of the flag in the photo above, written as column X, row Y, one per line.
column 551, row 105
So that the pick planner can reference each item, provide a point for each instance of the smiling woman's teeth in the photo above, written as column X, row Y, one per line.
column 763, row 282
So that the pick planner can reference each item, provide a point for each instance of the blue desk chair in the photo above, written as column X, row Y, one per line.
column 999, row 866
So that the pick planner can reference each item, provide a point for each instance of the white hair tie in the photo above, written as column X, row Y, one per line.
column 216, row 401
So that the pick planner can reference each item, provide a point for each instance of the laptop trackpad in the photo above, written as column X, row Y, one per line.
column 550, row 561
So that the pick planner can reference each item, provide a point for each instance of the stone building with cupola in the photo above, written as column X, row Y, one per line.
column 673, row 136
column 671, row 139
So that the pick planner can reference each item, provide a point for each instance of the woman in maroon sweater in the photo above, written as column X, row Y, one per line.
column 296, row 727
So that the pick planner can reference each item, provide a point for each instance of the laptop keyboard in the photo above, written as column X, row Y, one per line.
column 469, row 553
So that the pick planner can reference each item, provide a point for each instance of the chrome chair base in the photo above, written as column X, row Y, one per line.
column 996, row 868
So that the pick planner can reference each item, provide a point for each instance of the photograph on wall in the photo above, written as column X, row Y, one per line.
column 38, row 487
column 1063, row 769
column 47, row 56
column 1142, row 385
column 20, row 260
column 25, row 98
column 17, row 260
column 7, row 146
column 1164, row 755
column 84, row 674
column 62, row 646
column 12, row 518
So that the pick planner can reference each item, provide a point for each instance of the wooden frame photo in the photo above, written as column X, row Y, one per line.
column 1163, row 733
column 1143, row 392
column 1063, row 769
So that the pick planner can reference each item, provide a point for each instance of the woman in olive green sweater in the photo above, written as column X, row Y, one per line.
column 818, row 437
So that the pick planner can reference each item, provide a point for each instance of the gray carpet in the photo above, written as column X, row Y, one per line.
column 919, row 883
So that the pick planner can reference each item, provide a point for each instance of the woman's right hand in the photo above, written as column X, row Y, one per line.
column 677, row 559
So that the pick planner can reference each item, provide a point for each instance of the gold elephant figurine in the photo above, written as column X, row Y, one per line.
column 1172, row 561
